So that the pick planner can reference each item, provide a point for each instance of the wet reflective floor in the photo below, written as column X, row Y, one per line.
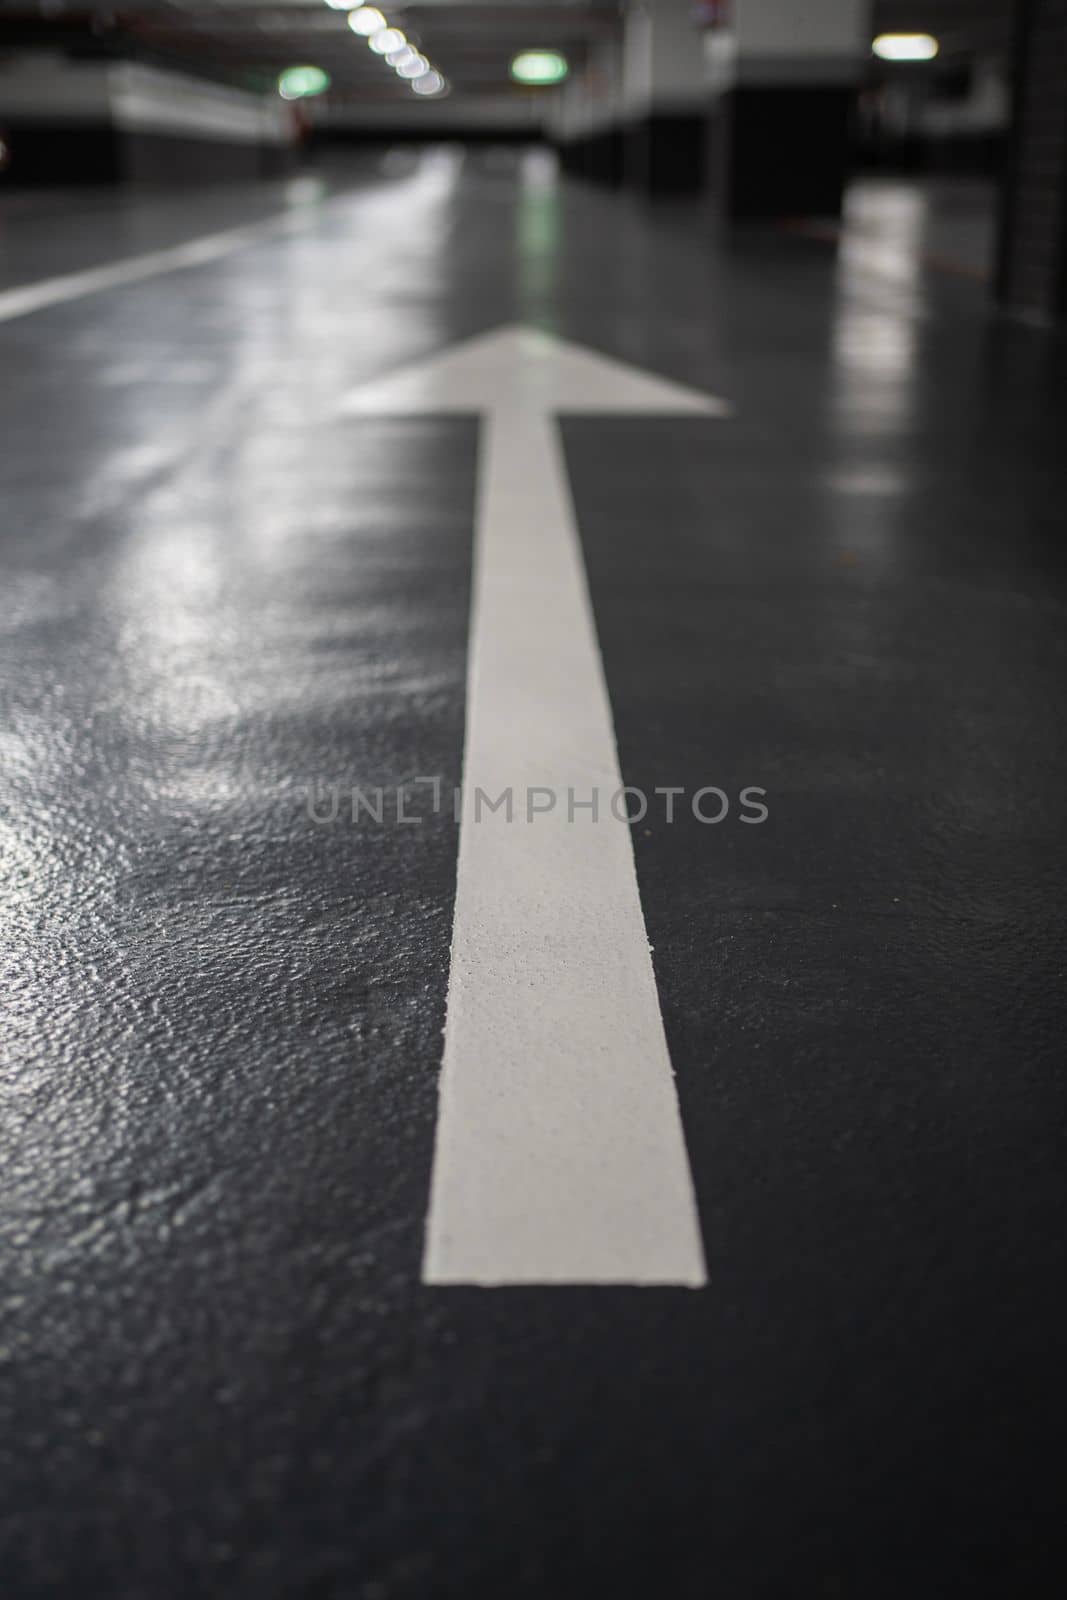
column 900, row 227
column 222, row 1014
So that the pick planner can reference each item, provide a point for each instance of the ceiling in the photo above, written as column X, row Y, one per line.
column 960, row 26
column 250, row 41
column 472, row 44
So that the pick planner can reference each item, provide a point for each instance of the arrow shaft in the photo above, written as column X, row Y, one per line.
column 560, row 1156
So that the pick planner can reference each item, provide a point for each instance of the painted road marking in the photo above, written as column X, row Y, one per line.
column 20, row 301
column 560, row 1155
column 436, row 172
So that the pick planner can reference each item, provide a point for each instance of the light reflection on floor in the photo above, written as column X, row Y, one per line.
column 896, row 225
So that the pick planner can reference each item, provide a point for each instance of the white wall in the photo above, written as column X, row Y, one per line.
column 662, row 55
column 789, row 41
column 50, row 88
column 592, row 100
column 146, row 100
column 802, row 27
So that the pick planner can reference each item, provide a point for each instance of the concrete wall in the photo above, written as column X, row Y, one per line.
column 70, row 122
column 662, row 57
column 799, row 29
column 636, row 114
column 755, row 111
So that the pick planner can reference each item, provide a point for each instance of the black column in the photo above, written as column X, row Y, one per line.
column 665, row 152
column 781, row 149
column 1032, row 266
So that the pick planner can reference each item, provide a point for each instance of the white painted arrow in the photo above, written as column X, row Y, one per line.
column 560, row 1156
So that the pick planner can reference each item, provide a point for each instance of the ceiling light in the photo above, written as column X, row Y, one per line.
column 297, row 82
column 906, row 46
column 386, row 40
column 415, row 68
column 365, row 21
column 430, row 83
column 539, row 67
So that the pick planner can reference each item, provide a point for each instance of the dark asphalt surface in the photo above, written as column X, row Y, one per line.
column 221, row 1022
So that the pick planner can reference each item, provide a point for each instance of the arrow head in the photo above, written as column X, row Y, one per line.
column 523, row 369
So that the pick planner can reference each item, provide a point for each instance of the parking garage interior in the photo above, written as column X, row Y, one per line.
column 531, row 799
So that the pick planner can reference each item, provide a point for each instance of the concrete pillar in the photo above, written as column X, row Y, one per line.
column 782, row 78
column 586, row 119
column 1032, row 266
column 664, row 96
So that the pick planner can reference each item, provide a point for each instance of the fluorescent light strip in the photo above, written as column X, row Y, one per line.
column 905, row 46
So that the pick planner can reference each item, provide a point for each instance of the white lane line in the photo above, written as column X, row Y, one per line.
column 21, row 301
column 435, row 174
column 560, row 1156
